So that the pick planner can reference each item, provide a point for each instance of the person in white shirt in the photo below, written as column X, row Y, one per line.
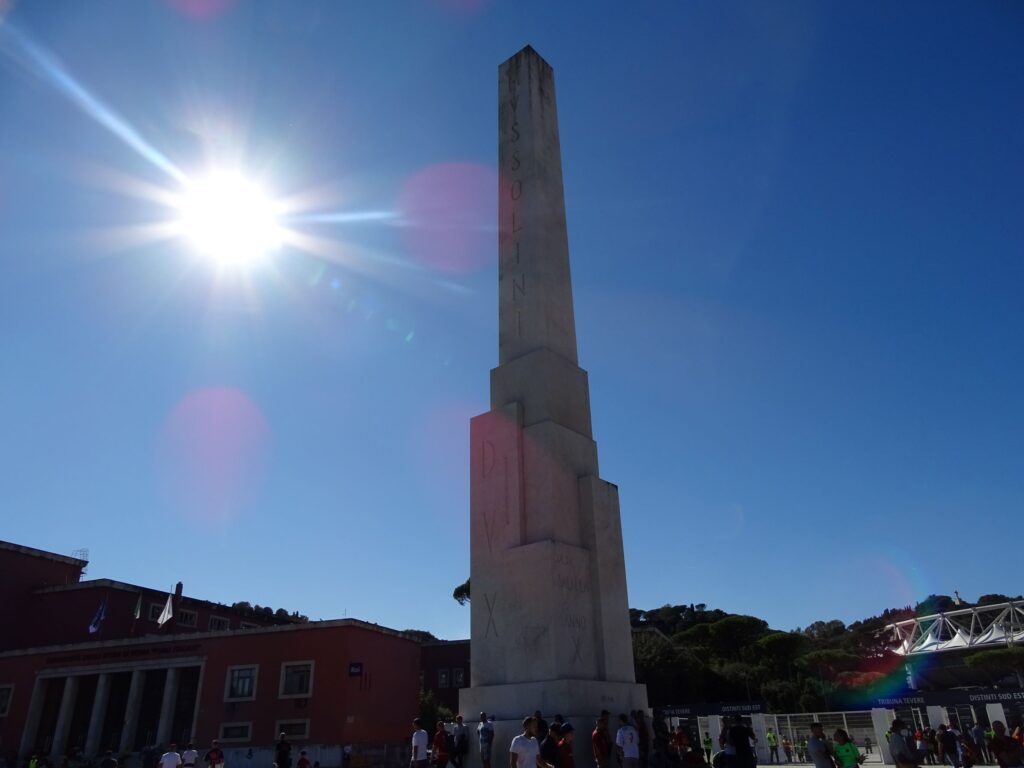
column 170, row 758
column 627, row 741
column 524, row 752
column 189, row 757
column 420, row 742
column 485, row 735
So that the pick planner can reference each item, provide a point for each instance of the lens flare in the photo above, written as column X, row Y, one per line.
column 447, row 212
column 211, row 454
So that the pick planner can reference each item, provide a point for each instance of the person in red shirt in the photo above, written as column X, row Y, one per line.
column 1005, row 749
column 441, row 746
column 303, row 760
column 681, row 740
column 601, row 742
column 565, row 747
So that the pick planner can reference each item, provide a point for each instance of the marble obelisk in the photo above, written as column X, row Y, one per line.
column 550, row 616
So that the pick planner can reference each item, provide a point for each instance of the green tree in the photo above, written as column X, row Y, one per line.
column 461, row 593
column 999, row 661
column 431, row 712
column 777, row 652
column 731, row 635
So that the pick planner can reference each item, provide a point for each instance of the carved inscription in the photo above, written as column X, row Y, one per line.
column 514, row 189
column 529, row 639
column 493, row 514
column 576, row 621
column 576, row 653
column 568, row 576
column 490, row 601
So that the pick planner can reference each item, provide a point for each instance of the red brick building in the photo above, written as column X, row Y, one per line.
column 210, row 672
column 445, row 669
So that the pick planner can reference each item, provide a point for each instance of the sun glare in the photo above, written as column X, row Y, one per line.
column 229, row 219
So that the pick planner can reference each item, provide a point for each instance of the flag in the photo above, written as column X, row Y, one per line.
column 166, row 614
column 138, row 607
column 97, row 620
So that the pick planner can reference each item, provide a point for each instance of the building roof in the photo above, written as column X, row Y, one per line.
column 33, row 552
column 195, row 636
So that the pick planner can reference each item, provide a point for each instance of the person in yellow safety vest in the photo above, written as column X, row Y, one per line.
column 773, row 745
column 707, row 743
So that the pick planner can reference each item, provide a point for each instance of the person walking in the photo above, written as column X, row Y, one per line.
column 740, row 741
column 549, row 752
column 283, row 752
column 978, row 734
column 524, row 752
column 170, row 758
column 818, row 750
column 903, row 754
column 214, row 755
column 949, row 749
column 420, row 739
column 440, row 752
column 1005, row 750
column 485, row 737
column 189, row 757
column 787, row 749
column 601, row 742
column 461, row 735
column 707, row 743
column 644, row 736
column 845, row 751
column 627, row 743
column 773, row 745
column 566, row 759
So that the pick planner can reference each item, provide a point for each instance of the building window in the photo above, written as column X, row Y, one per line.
column 248, row 625
column 219, row 623
column 295, row 729
column 155, row 609
column 187, row 618
column 235, row 731
column 241, row 683
column 6, row 691
column 458, row 678
column 442, row 678
column 296, row 679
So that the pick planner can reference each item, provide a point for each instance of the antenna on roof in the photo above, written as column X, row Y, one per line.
column 81, row 554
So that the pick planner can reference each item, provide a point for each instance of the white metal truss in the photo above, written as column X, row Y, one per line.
column 985, row 626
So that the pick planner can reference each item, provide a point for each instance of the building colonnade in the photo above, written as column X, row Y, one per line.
column 121, row 708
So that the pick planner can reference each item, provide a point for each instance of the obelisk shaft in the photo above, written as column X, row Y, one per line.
column 535, row 288
column 550, row 611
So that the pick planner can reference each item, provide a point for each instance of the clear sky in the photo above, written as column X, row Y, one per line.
column 797, row 238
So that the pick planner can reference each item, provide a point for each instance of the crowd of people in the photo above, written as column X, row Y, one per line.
column 955, row 746
column 638, row 744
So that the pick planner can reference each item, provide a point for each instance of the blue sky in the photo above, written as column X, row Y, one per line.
column 797, row 242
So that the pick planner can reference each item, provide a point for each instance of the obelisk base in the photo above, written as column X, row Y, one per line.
column 578, row 701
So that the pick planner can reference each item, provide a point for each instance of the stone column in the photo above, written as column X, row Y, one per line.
column 882, row 719
column 715, row 731
column 937, row 716
column 995, row 712
column 67, row 710
column 35, row 711
column 131, row 711
column 166, row 721
column 759, row 726
column 195, row 706
column 99, row 713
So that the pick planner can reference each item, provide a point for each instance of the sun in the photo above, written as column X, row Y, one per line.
column 228, row 218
